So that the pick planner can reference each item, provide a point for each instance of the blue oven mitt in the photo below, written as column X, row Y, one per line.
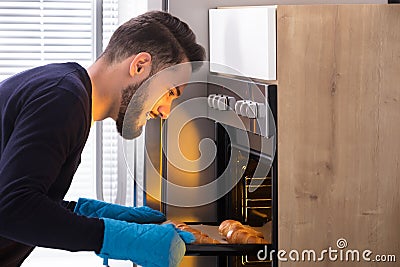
column 148, row 245
column 100, row 209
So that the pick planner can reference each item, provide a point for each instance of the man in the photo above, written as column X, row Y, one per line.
column 45, row 117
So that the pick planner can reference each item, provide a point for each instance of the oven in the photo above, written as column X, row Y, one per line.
column 243, row 172
column 246, row 152
column 237, row 116
column 232, row 118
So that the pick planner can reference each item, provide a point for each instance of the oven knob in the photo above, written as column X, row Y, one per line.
column 210, row 100
column 215, row 101
column 244, row 108
column 261, row 110
column 226, row 102
column 251, row 110
column 255, row 110
column 231, row 102
column 222, row 103
column 238, row 106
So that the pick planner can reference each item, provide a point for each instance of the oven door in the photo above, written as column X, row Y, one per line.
column 245, row 167
column 253, row 200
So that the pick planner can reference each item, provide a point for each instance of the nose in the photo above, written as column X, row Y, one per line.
column 164, row 111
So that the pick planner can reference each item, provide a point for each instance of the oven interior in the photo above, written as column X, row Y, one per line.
column 253, row 200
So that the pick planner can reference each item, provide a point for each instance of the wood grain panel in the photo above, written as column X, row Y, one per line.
column 339, row 129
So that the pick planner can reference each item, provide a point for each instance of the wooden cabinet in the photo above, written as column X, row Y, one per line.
column 339, row 129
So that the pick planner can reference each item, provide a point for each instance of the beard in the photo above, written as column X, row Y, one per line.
column 130, row 112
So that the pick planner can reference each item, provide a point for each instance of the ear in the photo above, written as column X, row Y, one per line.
column 140, row 64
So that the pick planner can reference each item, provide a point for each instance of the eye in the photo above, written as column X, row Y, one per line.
column 171, row 92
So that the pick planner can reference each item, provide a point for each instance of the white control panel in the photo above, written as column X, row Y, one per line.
column 242, row 104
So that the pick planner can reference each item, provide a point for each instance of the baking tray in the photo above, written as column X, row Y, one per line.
column 224, row 248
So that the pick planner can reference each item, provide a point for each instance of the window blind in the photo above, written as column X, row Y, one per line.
column 43, row 31
column 110, row 139
column 117, row 154
column 38, row 32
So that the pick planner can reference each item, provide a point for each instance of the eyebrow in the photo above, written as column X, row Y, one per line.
column 178, row 91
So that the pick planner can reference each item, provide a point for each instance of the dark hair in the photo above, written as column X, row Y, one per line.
column 168, row 40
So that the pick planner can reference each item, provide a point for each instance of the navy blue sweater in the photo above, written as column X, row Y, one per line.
column 45, row 118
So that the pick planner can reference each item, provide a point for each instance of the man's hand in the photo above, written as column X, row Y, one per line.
column 100, row 209
column 148, row 245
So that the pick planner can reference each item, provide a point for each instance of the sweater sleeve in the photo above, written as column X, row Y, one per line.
column 70, row 205
column 49, row 128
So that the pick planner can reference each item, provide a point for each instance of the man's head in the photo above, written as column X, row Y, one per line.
column 157, row 40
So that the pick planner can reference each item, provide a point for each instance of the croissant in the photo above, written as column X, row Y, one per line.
column 201, row 238
column 229, row 225
column 226, row 225
column 243, row 236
